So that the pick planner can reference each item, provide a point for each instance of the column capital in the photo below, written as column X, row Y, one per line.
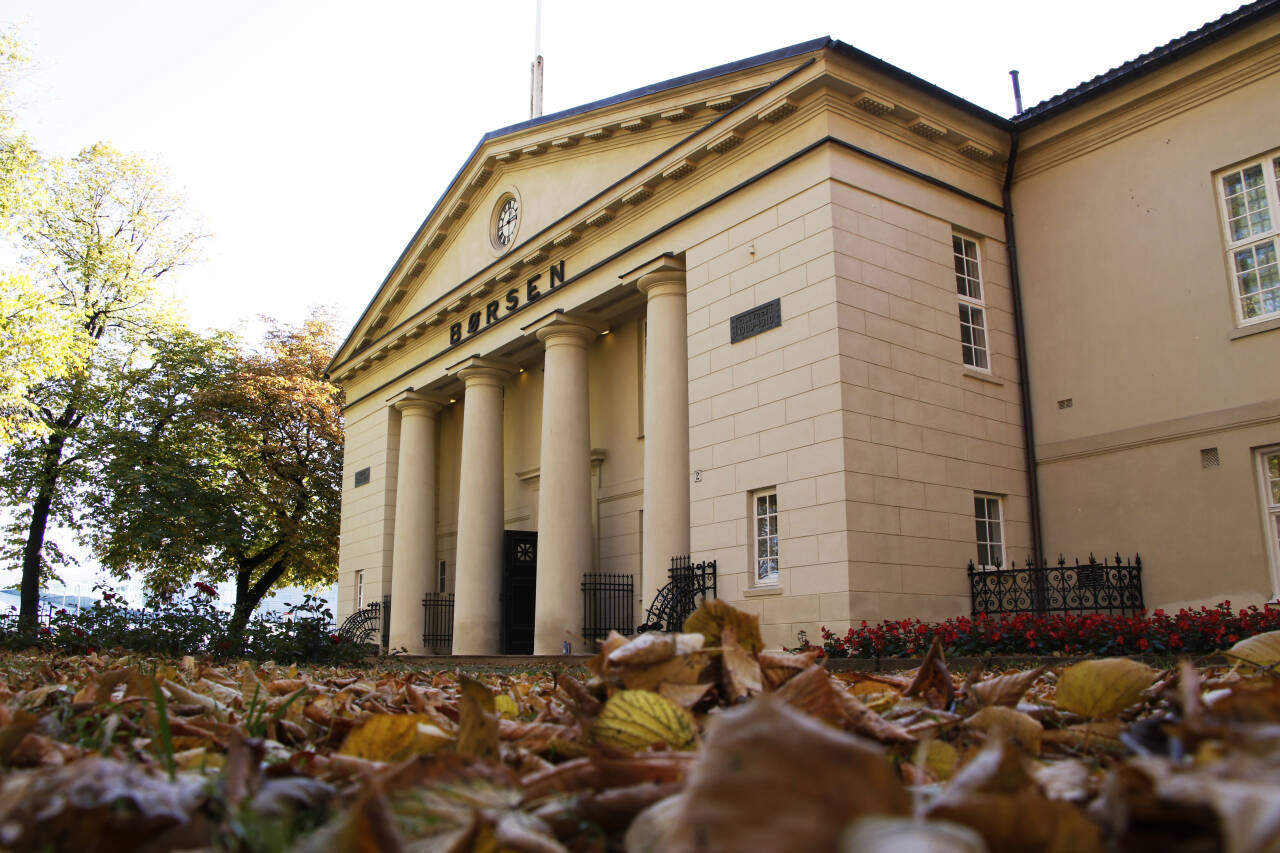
column 564, row 327
column 665, row 269
column 418, row 402
column 478, row 370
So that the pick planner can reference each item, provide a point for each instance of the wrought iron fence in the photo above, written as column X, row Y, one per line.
column 608, row 604
column 363, row 625
column 1106, row 587
column 437, row 622
column 691, row 584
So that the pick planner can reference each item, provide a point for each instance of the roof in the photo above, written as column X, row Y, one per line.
column 1150, row 61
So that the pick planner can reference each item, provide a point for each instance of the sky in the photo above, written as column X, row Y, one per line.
column 310, row 138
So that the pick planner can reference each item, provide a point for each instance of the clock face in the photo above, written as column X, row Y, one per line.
column 508, row 216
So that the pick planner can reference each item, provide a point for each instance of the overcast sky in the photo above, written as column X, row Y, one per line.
column 311, row 138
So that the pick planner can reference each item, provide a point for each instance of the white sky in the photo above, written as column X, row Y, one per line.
column 311, row 138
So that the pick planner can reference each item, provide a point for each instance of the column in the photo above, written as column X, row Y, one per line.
column 565, row 549
column 413, row 552
column 666, row 420
column 477, row 613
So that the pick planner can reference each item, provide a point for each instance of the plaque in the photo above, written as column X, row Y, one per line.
column 752, row 322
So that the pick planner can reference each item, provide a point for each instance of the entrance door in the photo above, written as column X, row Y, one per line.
column 519, row 573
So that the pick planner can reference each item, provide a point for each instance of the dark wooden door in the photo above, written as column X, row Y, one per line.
column 519, row 575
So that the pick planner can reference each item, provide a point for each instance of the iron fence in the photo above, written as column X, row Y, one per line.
column 608, row 604
column 1106, row 587
column 437, row 622
column 690, row 584
column 362, row 625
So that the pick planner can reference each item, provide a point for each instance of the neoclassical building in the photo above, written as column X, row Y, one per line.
column 840, row 331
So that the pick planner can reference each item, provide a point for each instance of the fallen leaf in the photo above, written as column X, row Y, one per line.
column 1103, row 688
column 477, row 720
column 877, row 834
column 395, row 737
column 1003, row 689
column 651, row 648
column 999, row 721
column 1261, row 651
column 714, row 615
column 933, row 680
column 633, row 720
column 740, row 669
column 777, row 667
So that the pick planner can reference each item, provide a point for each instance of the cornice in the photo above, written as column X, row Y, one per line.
column 730, row 137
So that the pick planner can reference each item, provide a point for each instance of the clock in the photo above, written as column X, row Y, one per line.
column 508, row 216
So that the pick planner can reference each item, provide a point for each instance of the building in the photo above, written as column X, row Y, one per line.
column 820, row 320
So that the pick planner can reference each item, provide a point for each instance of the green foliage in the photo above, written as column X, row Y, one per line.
column 228, row 466
column 191, row 625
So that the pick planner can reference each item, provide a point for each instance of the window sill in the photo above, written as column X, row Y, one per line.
column 1254, row 329
column 983, row 375
column 756, row 591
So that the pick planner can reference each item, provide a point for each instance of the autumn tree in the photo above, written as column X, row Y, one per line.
column 229, row 467
column 97, row 238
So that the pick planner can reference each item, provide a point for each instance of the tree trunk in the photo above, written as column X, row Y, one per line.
column 33, row 550
column 249, row 596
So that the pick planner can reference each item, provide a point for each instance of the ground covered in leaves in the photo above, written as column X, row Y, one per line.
column 696, row 741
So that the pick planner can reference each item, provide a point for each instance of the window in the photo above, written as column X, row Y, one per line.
column 1271, row 508
column 359, row 590
column 765, row 521
column 1251, row 214
column 973, row 319
column 989, row 524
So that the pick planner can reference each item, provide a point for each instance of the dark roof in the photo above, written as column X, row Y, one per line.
column 1151, row 61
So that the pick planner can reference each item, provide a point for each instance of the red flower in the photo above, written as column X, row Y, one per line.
column 205, row 588
column 107, row 596
column 1143, row 644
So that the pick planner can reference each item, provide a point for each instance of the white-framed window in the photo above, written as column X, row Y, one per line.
column 1270, row 472
column 764, row 530
column 988, row 521
column 1250, row 196
column 973, row 311
column 359, row 590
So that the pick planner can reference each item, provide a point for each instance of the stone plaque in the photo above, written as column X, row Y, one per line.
column 762, row 318
column 362, row 476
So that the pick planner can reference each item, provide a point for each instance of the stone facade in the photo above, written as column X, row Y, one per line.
column 585, row 379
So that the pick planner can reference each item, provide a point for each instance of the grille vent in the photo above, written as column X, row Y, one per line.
column 1209, row 458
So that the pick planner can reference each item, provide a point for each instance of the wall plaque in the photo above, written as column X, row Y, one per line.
column 762, row 318
column 362, row 476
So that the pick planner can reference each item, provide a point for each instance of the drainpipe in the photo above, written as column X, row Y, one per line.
column 1024, row 370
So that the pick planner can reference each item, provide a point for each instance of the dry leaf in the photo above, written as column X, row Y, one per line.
column 680, row 669
column 1003, row 689
column 771, row 778
column 777, row 667
column 684, row 695
column 477, row 720
column 633, row 720
column 395, row 737
column 651, row 648
column 714, row 615
column 904, row 835
column 999, row 721
column 740, row 670
column 1103, row 688
column 1261, row 651
column 933, row 680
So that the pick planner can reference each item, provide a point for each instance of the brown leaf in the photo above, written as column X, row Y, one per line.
column 681, row 669
column 1102, row 688
column 865, row 721
column 395, row 737
column 478, row 721
column 651, row 648
column 814, row 693
column 684, row 695
column 1003, row 689
column 1001, row 722
column 1023, row 822
column 714, row 615
column 599, row 772
column 933, row 680
column 777, row 667
column 772, row 778
column 740, row 670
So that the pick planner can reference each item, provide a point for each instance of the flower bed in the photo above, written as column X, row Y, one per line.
column 1196, row 632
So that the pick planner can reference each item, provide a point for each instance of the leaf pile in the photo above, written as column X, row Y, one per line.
column 696, row 741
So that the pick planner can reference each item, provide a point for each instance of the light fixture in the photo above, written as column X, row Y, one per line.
column 453, row 400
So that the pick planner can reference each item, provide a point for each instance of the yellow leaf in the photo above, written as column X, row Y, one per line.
column 1260, row 650
column 506, row 706
column 1103, row 688
column 394, row 737
column 715, row 615
column 477, row 720
column 633, row 720
column 939, row 757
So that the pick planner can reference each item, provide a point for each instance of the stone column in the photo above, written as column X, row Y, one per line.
column 565, row 550
column 666, row 420
column 477, row 613
column 413, row 552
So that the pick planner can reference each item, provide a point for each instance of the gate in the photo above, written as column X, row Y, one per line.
column 519, row 576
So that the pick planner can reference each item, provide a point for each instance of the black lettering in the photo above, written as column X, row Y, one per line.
column 473, row 323
column 455, row 334
column 513, row 299
column 491, row 312
column 531, row 289
column 557, row 274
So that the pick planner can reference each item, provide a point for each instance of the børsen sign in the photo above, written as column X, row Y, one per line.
column 500, row 308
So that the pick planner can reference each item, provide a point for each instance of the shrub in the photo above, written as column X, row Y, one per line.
column 1194, row 632
column 191, row 625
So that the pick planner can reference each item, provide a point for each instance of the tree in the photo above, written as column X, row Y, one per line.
column 230, row 467
column 98, row 237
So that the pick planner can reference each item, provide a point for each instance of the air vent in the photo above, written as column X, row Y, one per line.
column 1209, row 458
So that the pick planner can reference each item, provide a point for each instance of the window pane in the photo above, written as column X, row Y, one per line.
column 1232, row 184
column 1273, row 465
column 762, row 526
column 1253, row 176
